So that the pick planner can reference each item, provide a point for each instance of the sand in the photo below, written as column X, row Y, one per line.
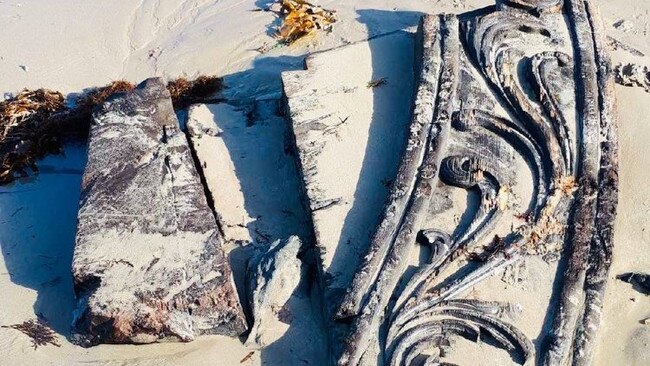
column 69, row 45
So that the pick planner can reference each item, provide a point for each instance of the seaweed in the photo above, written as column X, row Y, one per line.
column 38, row 330
column 301, row 18
column 35, row 123
column 185, row 92
column 25, row 133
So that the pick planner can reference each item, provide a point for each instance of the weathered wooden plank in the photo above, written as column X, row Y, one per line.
column 148, row 264
column 602, row 244
column 372, row 310
column 349, row 139
column 573, row 293
column 255, row 189
column 404, row 182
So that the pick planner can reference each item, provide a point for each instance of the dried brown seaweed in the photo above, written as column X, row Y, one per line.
column 185, row 92
column 301, row 18
column 25, row 134
column 99, row 95
column 38, row 330
column 34, row 123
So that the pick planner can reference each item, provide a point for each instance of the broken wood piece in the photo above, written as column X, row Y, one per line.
column 435, row 32
column 248, row 173
column 640, row 281
column 344, row 170
column 273, row 278
column 148, row 264
column 251, row 176
column 345, row 166
column 510, row 96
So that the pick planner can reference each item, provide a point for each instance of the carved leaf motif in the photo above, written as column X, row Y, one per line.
column 508, row 88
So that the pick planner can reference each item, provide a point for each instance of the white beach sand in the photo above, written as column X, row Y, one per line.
column 69, row 45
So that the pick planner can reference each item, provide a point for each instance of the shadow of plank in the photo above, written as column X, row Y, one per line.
column 37, row 231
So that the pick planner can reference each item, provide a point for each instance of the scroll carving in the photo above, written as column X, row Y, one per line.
column 523, row 86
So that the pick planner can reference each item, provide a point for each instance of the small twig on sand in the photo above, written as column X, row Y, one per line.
column 376, row 83
column 247, row 357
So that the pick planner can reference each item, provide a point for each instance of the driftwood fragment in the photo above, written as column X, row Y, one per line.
column 404, row 183
column 436, row 32
column 602, row 243
column 579, row 311
column 273, row 277
column 148, row 264
column 499, row 91
column 640, row 281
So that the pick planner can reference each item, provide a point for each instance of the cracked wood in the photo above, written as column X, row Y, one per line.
column 148, row 264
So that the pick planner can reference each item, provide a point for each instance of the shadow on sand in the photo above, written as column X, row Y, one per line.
column 37, row 229
column 386, row 136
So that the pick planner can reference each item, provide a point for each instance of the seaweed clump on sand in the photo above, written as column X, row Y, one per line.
column 185, row 92
column 301, row 18
column 38, row 330
column 35, row 123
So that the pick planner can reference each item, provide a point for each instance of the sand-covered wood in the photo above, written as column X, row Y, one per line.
column 518, row 112
column 350, row 126
column 148, row 264
column 349, row 137
column 251, row 178
column 135, row 40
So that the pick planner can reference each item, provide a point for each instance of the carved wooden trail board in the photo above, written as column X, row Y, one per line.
column 512, row 135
